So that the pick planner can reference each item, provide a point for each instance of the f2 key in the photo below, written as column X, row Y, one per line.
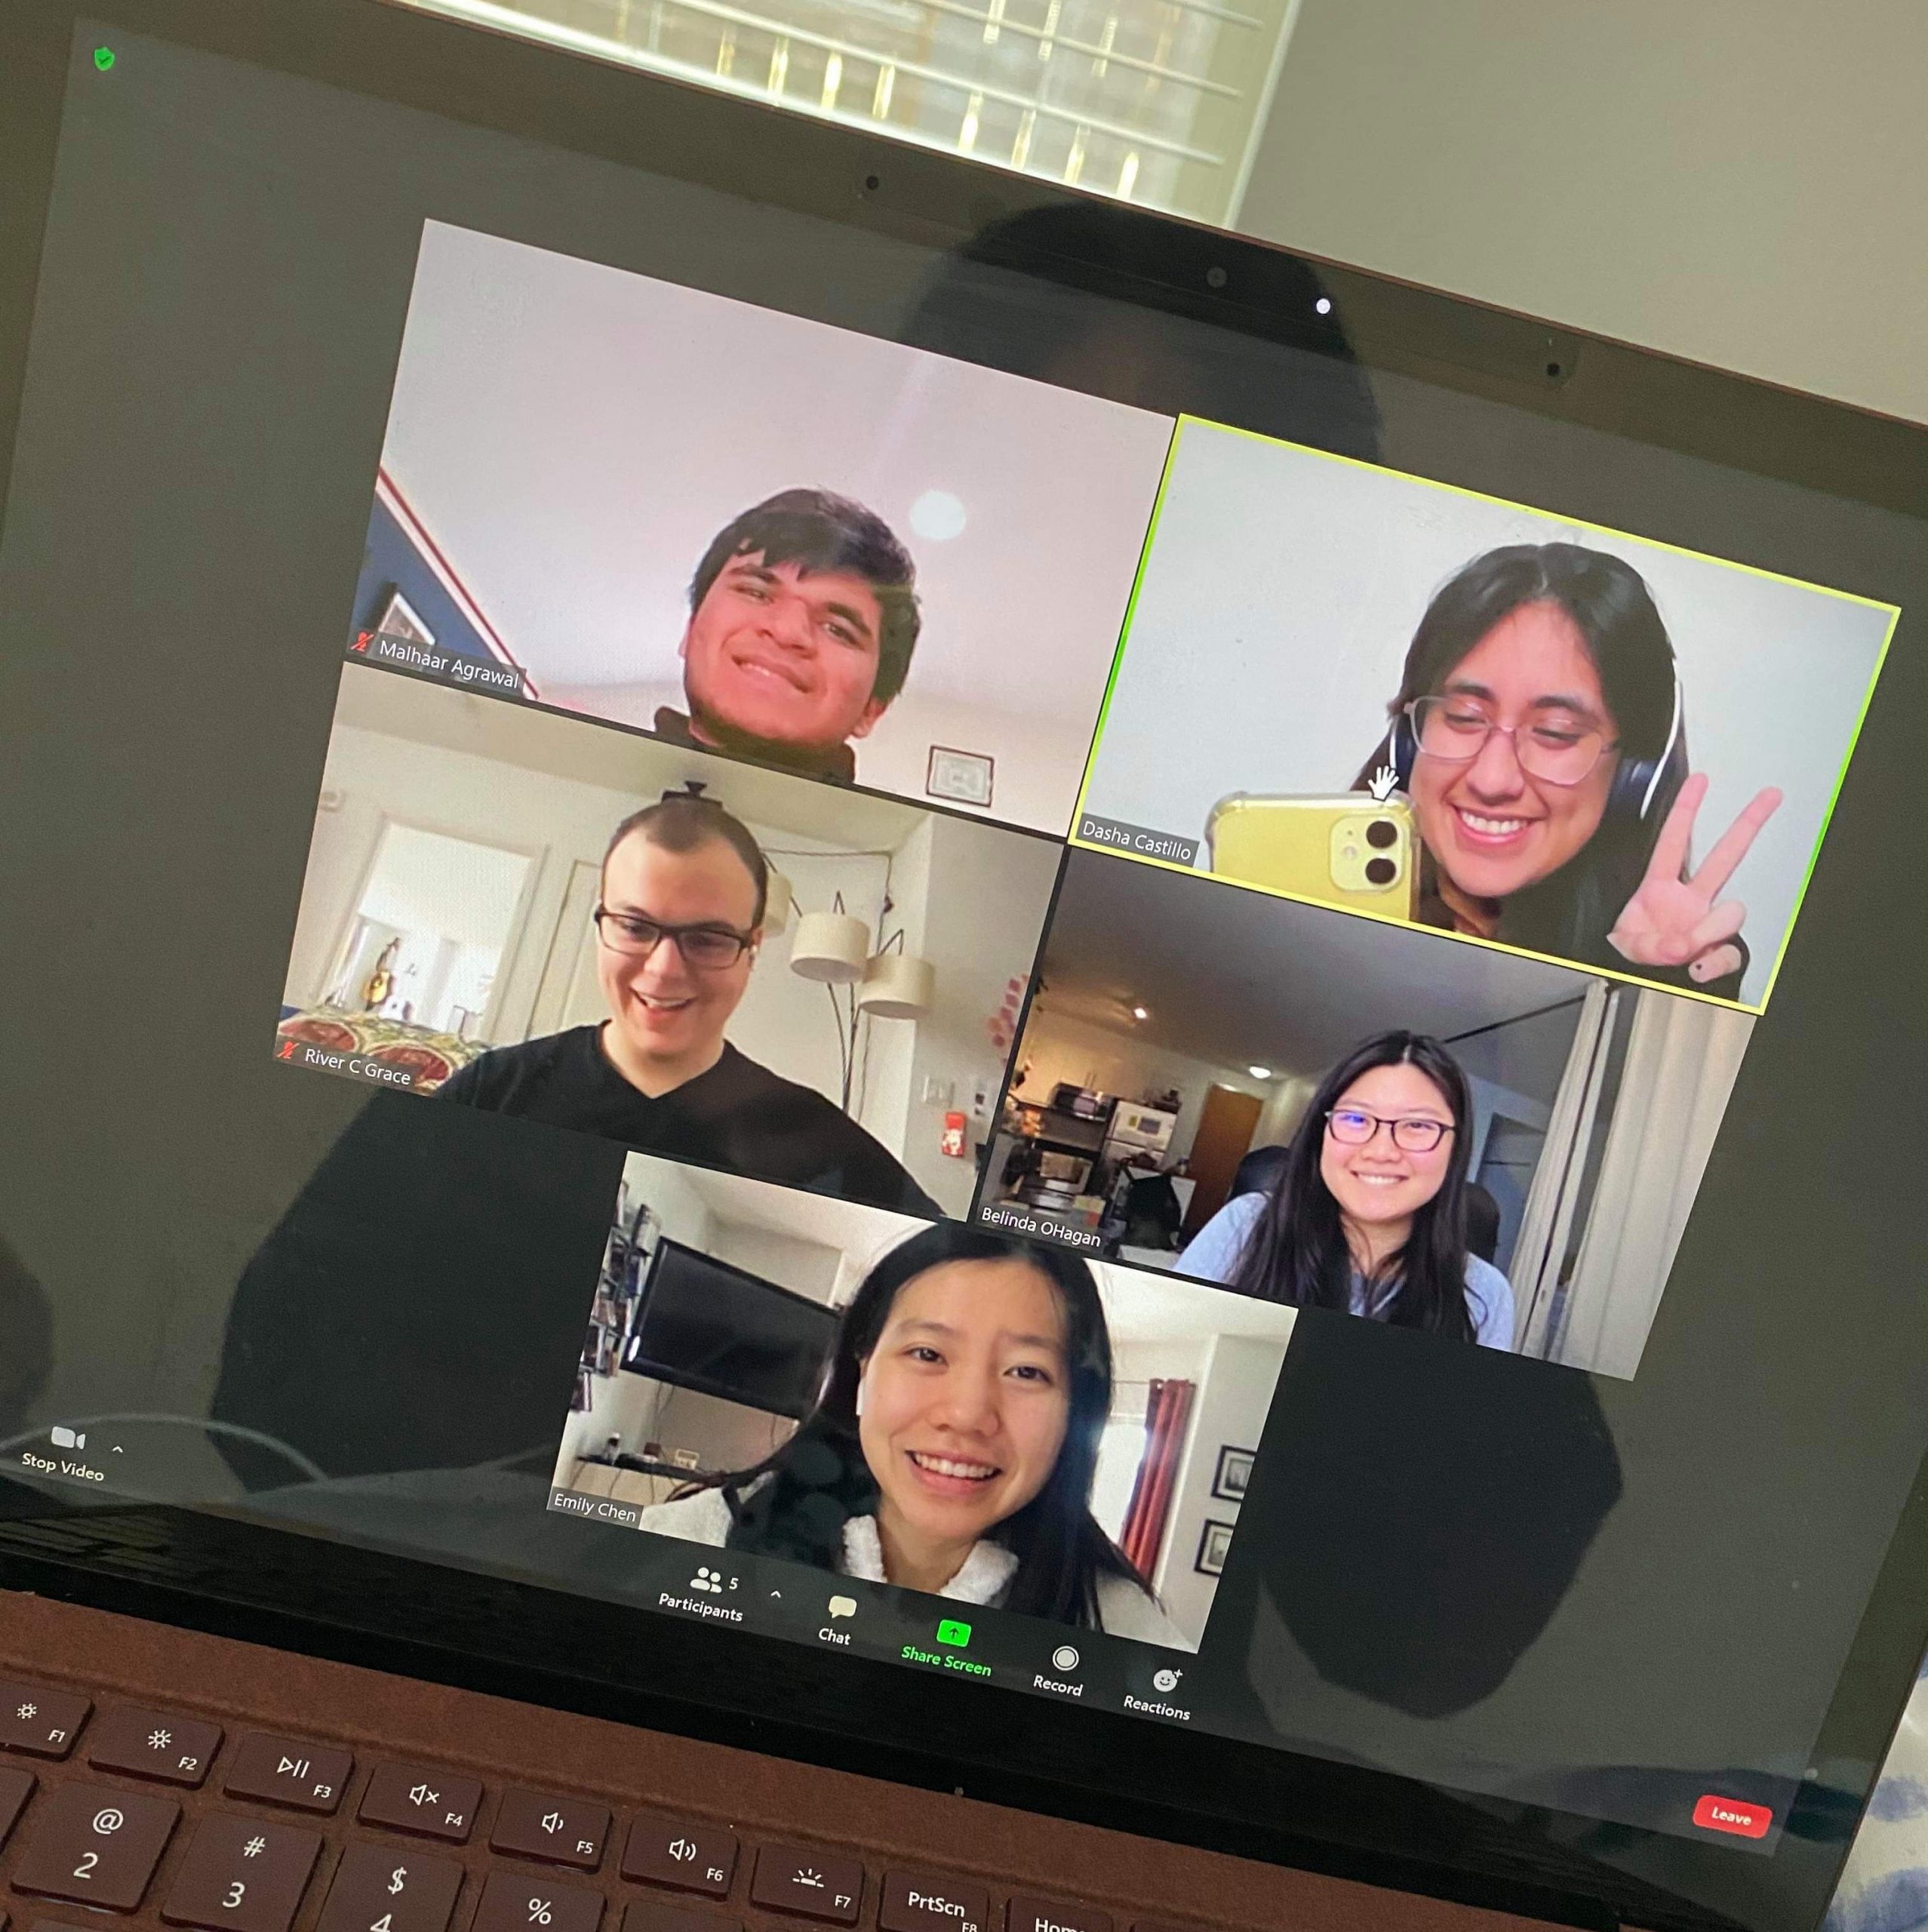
column 160, row 1745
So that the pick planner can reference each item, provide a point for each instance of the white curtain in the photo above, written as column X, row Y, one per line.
column 1546, row 1223
column 1683, row 1056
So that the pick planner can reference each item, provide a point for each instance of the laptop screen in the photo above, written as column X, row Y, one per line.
column 1034, row 967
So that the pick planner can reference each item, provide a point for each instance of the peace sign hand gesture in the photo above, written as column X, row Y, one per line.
column 1674, row 920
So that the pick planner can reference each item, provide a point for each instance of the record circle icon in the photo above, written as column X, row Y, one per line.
column 1064, row 1658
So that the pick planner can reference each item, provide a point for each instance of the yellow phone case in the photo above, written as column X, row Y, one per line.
column 1346, row 849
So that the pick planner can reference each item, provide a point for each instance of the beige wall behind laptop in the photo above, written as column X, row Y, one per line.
column 1737, row 181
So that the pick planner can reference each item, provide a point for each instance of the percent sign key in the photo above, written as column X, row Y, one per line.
column 510, row 1903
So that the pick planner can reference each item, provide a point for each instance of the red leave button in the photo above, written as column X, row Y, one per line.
column 1729, row 1814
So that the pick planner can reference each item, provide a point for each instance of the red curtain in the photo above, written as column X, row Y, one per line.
column 1165, row 1414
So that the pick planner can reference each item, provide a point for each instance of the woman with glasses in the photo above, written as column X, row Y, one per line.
column 1539, row 730
column 1369, row 1214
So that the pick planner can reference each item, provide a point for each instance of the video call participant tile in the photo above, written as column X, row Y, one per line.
column 1326, row 1111
column 832, row 554
column 945, row 1408
column 540, row 916
column 1371, row 690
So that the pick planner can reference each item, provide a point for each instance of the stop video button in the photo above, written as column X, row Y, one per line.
column 1729, row 1814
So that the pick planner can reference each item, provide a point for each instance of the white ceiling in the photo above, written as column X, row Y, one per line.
column 1232, row 977
column 572, row 436
column 821, row 1218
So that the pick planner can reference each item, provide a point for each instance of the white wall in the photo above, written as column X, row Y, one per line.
column 1736, row 181
column 1036, row 760
column 1235, row 1384
column 981, row 918
column 1055, row 1048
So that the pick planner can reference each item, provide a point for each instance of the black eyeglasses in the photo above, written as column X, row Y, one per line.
column 708, row 948
column 1413, row 1133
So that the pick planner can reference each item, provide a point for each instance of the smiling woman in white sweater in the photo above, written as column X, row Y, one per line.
column 953, row 1444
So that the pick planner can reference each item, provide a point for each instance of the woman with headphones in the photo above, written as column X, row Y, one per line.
column 1539, row 733
column 953, row 1443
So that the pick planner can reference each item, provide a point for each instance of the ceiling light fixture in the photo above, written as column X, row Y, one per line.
column 1260, row 1072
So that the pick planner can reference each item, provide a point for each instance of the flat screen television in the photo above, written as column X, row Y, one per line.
column 724, row 1331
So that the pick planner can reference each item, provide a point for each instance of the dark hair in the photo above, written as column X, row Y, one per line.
column 819, row 1480
column 817, row 530
column 1297, row 1251
column 1571, row 911
column 681, row 821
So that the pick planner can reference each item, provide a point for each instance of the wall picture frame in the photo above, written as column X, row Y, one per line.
column 960, row 777
column 1233, row 1474
column 1214, row 1540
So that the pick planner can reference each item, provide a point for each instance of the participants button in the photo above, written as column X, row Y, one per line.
column 1714, row 1814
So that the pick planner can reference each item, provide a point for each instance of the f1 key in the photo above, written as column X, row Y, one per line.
column 284, row 1770
column 240, row 1873
column 159, row 1745
column 95, row 1846
column 40, row 1721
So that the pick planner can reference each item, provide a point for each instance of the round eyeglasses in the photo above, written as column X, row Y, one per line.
column 708, row 948
column 1559, row 747
column 1413, row 1134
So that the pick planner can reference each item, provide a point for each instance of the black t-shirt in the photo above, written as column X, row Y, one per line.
column 738, row 1115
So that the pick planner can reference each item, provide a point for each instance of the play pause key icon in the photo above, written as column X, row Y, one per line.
column 287, row 1770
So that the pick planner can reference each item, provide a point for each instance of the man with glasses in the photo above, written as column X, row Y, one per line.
column 678, row 922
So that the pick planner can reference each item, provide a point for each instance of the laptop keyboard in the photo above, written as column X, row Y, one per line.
column 130, row 1809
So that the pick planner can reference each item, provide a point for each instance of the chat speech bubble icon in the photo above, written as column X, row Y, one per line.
column 843, row 1606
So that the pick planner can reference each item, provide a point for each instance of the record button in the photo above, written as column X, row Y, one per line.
column 1714, row 1814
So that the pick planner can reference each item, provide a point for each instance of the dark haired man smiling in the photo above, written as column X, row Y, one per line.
column 802, row 619
column 678, row 925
